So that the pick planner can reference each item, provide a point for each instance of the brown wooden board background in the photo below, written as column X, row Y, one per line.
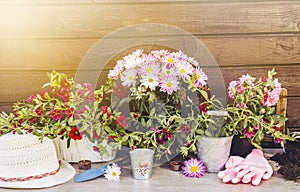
column 244, row 36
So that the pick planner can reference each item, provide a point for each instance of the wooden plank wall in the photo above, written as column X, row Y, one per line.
column 244, row 36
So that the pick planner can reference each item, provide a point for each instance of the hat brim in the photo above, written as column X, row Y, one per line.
column 65, row 174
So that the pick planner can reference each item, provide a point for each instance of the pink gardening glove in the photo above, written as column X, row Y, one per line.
column 253, row 169
column 228, row 174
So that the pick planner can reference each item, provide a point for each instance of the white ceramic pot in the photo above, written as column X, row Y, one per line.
column 214, row 152
column 81, row 150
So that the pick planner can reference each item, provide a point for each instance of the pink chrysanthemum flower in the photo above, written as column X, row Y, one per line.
column 167, row 71
column 152, row 68
column 129, row 78
column 150, row 81
column 193, row 61
column 184, row 69
column 201, row 78
column 169, row 84
column 170, row 59
column 117, row 70
column 193, row 168
column 134, row 59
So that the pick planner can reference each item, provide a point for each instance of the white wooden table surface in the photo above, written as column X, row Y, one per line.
column 168, row 180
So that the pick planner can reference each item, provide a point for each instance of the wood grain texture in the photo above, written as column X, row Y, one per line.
column 98, row 20
column 243, row 36
column 66, row 54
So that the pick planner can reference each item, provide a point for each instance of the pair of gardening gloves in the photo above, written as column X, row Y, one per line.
column 251, row 169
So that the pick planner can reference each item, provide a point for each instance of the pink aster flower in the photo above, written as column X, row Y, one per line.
column 149, row 68
column 167, row 71
column 169, row 84
column 150, row 81
column 129, row 77
column 56, row 114
column 193, row 168
column 134, row 59
column 201, row 78
column 184, row 69
column 169, row 59
column 117, row 70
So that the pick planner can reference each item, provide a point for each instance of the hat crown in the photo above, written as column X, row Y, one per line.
column 25, row 156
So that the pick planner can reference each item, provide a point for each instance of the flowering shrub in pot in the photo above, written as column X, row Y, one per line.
column 66, row 110
column 252, row 111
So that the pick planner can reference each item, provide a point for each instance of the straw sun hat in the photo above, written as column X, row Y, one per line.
column 26, row 162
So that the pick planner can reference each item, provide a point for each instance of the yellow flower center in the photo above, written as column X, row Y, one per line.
column 150, row 80
column 130, row 77
column 194, row 169
column 114, row 174
column 149, row 70
column 169, row 84
column 199, row 76
column 171, row 60
column 182, row 70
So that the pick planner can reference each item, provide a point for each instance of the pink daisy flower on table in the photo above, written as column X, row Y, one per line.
column 150, row 81
column 129, row 78
column 193, row 168
column 200, row 78
column 169, row 84
column 184, row 69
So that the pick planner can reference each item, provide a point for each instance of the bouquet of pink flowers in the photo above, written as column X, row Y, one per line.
column 164, row 96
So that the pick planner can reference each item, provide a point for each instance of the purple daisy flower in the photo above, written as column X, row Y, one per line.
column 193, row 168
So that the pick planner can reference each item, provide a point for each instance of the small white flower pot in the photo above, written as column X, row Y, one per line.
column 141, row 163
column 214, row 152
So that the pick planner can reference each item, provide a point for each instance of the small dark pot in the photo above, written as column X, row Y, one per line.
column 240, row 146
